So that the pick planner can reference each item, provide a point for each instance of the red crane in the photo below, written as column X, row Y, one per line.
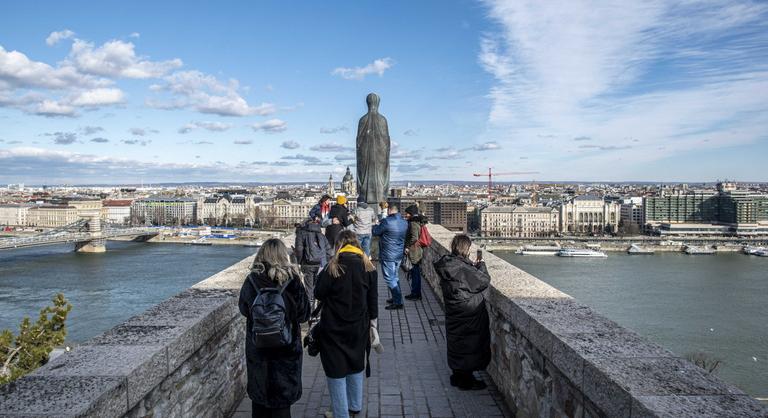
column 491, row 174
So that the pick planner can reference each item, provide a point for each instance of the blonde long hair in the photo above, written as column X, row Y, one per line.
column 274, row 253
column 347, row 238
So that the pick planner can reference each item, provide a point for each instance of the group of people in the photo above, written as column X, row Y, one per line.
column 334, row 275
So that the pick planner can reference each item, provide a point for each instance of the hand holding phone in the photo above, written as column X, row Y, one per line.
column 479, row 255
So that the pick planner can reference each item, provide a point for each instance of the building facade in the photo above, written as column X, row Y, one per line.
column 590, row 214
column 348, row 184
column 52, row 216
column 691, row 207
column 14, row 215
column 519, row 221
column 163, row 211
column 116, row 211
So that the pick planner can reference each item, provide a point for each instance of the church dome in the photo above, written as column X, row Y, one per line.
column 348, row 176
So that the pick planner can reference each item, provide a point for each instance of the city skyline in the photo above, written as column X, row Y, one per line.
column 607, row 92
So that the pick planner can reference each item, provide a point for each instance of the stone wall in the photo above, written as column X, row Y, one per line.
column 182, row 358
column 554, row 357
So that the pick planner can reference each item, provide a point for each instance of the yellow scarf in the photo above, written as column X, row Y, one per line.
column 351, row 249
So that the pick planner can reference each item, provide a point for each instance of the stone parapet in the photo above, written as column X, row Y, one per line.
column 555, row 357
column 184, row 357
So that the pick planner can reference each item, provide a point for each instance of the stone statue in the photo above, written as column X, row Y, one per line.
column 372, row 154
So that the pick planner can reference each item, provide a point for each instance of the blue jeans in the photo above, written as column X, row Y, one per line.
column 346, row 394
column 389, row 270
column 365, row 243
column 416, row 280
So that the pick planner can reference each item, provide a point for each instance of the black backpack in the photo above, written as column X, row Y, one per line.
column 313, row 251
column 271, row 327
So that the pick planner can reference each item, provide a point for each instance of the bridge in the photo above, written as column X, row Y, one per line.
column 87, row 234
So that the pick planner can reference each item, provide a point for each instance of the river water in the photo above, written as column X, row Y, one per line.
column 104, row 289
column 716, row 304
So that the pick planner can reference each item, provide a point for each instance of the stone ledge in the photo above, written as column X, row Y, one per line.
column 609, row 370
column 110, row 374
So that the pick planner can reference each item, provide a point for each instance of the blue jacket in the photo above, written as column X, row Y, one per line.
column 392, row 231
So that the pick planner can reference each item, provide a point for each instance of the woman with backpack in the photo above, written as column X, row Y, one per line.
column 273, row 298
column 347, row 287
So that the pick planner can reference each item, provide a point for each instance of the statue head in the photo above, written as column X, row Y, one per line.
column 373, row 102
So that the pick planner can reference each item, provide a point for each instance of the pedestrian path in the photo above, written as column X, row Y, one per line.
column 411, row 377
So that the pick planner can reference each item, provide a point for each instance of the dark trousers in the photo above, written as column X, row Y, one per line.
column 310, row 271
column 415, row 274
column 260, row 411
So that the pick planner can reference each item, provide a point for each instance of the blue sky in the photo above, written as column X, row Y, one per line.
column 188, row 91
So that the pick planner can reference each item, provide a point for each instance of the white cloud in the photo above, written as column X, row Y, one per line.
column 55, row 37
column 98, row 97
column 487, row 146
column 378, row 66
column 271, row 126
column 52, row 108
column 18, row 71
column 290, row 145
column 117, row 59
column 331, row 147
column 134, row 35
column 206, row 94
column 334, row 130
column 671, row 73
column 207, row 125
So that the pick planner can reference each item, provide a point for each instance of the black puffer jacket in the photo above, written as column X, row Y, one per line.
column 467, row 325
column 274, row 374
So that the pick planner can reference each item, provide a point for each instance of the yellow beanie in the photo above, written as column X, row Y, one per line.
column 341, row 199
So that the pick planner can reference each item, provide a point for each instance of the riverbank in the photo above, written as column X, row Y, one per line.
column 715, row 305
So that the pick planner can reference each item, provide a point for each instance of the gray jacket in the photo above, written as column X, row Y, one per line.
column 364, row 219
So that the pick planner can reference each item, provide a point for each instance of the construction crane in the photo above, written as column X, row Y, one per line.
column 491, row 174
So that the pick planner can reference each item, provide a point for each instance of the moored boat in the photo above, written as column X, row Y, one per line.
column 580, row 252
column 751, row 250
column 539, row 250
column 635, row 249
column 201, row 241
column 694, row 250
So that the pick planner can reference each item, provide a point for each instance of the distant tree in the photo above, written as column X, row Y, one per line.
column 704, row 361
column 30, row 349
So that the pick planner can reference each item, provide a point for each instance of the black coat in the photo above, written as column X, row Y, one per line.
column 349, row 303
column 274, row 374
column 467, row 325
column 341, row 213
column 332, row 234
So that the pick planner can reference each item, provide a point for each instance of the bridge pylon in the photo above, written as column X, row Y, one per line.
column 96, row 244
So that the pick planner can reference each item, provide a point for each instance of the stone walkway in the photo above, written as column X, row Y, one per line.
column 411, row 377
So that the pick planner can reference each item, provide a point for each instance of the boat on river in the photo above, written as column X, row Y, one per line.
column 581, row 252
column 752, row 250
column 201, row 241
column 635, row 249
column 694, row 250
column 538, row 250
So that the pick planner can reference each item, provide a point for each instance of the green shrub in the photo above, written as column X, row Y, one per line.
column 30, row 349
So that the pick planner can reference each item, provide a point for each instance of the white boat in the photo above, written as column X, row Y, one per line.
column 750, row 250
column 201, row 241
column 762, row 253
column 252, row 244
column 539, row 250
column 635, row 249
column 693, row 250
column 580, row 252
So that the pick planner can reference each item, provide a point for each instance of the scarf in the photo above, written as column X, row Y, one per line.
column 351, row 249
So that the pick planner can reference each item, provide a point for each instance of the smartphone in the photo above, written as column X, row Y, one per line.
column 479, row 255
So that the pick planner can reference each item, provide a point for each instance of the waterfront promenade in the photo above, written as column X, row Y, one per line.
column 410, row 379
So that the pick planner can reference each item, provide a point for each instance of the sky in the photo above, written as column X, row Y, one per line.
column 148, row 92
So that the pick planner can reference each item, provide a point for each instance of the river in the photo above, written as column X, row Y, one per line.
column 715, row 304
column 104, row 289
